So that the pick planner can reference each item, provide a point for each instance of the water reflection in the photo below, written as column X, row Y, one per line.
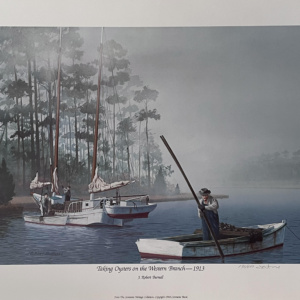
column 5, row 223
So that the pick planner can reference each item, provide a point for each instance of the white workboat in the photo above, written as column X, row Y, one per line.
column 232, row 242
column 79, row 213
column 113, row 211
column 103, row 210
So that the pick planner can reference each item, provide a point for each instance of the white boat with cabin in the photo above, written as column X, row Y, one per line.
column 102, row 210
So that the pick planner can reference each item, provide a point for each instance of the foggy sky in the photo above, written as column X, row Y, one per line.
column 225, row 93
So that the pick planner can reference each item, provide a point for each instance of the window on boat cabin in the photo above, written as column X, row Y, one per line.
column 86, row 204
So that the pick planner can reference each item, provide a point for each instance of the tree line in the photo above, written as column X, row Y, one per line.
column 278, row 167
column 28, row 94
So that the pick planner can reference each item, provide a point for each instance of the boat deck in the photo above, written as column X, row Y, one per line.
column 252, row 234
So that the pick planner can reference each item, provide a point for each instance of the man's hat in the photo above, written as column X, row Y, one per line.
column 204, row 192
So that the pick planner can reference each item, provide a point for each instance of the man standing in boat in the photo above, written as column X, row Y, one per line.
column 67, row 192
column 46, row 205
column 210, row 207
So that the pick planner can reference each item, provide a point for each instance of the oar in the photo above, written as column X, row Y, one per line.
column 195, row 196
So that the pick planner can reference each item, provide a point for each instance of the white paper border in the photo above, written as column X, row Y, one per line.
column 85, row 282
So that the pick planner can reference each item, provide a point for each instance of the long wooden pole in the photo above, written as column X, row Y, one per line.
column 97, row 110
column 195, row 196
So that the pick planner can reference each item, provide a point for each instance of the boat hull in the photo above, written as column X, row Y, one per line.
column 47, row 220
column 171, row 248
column 95, row 217
column 129, row 212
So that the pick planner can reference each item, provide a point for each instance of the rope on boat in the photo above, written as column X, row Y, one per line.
column 134, row 204
column 292, row 232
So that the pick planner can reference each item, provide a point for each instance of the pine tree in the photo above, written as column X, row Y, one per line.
column 160, row 186
column 7, row 186
column 177, row 189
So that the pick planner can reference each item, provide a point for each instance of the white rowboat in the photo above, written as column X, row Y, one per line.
column 231, row 243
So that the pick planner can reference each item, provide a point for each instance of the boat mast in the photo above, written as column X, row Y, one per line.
column 57, row 107
column 97, row 108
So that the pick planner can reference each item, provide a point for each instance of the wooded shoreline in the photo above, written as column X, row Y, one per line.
column 28, row 202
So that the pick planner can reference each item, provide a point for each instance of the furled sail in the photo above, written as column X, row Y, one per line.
column 55, row 182
column 99, row 185
column 36, row 184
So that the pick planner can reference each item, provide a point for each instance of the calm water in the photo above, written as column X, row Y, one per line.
column 23, row 243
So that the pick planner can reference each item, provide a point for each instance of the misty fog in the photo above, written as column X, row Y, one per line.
column 226, row 94
column 227, row 98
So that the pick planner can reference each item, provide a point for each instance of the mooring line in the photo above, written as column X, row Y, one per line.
column 292, row 232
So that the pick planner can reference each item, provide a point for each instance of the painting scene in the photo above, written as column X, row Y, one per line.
column 151, row 145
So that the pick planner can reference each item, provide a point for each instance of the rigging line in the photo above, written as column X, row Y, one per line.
column 292, row 232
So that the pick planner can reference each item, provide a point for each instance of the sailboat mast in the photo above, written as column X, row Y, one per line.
column 58, row 102
column 97, row 108
column 54, row 177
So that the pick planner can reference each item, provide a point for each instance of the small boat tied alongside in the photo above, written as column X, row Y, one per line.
column 233, row 241
column 131, row 208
